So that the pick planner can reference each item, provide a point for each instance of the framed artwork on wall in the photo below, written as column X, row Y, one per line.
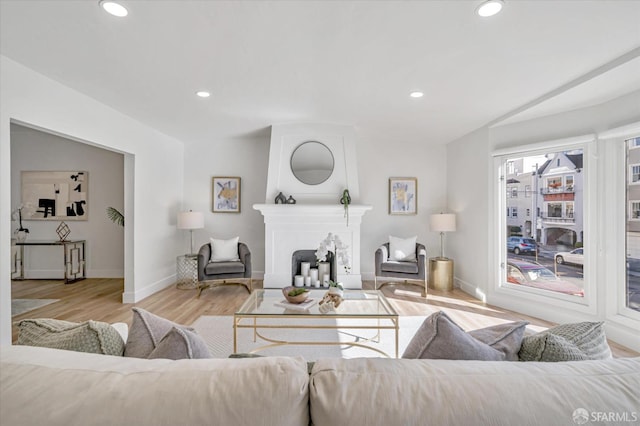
column 225, row 194
column 55, row 195
column 403, row 195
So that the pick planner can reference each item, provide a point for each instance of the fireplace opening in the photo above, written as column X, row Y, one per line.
column 300, row 256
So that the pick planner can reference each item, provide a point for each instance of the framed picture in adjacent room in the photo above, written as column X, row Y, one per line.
column 55, row 195
column 403, row 195
column 225, row 194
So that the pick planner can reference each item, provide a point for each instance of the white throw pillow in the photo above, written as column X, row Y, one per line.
column 402, row 249
column 224, row 250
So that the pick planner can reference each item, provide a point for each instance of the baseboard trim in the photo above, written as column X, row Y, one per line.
column 139, row 294
column 58, row 274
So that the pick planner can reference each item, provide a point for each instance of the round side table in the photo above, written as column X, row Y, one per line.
column 187, row 272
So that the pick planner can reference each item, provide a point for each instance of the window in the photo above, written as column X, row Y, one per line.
column 554, row 209
column 511, row 168
column 568, row 209
column 568, row 182
column 634, row 173
column 555, row 195
column 634, row 210
column 632, row 290
column 514, row 192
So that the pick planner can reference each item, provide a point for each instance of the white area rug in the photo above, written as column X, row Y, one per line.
column 217, row 331
column 20, row 306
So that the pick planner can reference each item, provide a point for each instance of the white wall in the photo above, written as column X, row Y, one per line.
column 35, row 150
column 472, row 155
column 378, row 160
column 153, row 176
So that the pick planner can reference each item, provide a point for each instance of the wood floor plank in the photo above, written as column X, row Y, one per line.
column 99, row 299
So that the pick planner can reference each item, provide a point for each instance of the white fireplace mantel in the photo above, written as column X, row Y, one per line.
column 303, row 226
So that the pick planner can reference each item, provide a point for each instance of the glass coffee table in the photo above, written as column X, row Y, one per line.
column 360, row 310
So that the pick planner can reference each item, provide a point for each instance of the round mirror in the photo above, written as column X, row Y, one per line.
column 312, row 162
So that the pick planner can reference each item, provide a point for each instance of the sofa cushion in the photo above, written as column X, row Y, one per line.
column 42, row 386
column 90, row 336
column 439, row 337
column 217, row 268
column 376, row 391
column 147, row 330
column 567, row 342
column 224, row 250
column 180, row 344
column 402, row 249
column 402, row 267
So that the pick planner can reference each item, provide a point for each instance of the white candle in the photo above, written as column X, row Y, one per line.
column 298, row 280
column 314, row 274
column 304, row 268
column 316, row 283
column 325, row 280
column 307, row 281
column 323, row 268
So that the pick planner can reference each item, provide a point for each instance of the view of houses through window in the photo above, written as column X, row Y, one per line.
column 633, row 224
column 545, row 235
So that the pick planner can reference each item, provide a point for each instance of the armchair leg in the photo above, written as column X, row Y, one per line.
column 203, row 285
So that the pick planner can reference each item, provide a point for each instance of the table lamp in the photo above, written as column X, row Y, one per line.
column 443, row 222
column 191, row 220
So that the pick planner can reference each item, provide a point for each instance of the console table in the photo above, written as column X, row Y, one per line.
column 74, row 259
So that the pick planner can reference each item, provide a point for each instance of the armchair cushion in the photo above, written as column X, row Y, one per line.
column 402, row 267
column 402, row 249
column 224, row 250
column 217, row 268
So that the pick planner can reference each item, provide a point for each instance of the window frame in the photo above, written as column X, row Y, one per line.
column 631, row 174
column 517, row 296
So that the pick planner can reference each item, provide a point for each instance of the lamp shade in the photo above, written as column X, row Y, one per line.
column 190, row 220
column 443, row 222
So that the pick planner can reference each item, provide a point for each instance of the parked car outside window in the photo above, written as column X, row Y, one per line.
column 574, row 256
column 521, row 245
column 535, row 275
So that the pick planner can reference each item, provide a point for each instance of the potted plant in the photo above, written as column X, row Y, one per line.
column 345, row 199
column 336, row 288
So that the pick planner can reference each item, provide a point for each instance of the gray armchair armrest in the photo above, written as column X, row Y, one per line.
column 204, row 254
column 421, row 254
column 382, row 255
column 245, row 258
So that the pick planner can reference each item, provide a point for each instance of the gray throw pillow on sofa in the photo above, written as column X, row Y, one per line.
column 567, row 342
column 179, row 343
column 90, row 336
column 439, row 337
column 146, row 332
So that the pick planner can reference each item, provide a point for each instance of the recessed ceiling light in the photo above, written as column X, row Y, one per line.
column 416, row 94
column 203, row 94
column 489, row 8
column 115, row 9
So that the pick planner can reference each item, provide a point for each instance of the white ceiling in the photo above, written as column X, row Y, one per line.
column 349, row 62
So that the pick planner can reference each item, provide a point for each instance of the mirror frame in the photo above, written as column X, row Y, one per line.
column 333, row 162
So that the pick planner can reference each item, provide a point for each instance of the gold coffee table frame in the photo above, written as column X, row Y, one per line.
column 357, row 305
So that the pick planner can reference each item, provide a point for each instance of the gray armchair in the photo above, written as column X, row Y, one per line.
column 213, row 274
column 412, row 272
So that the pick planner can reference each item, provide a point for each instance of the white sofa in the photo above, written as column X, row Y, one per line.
column 40, row 386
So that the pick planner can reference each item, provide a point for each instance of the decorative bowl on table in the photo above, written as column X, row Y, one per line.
column 297, row 298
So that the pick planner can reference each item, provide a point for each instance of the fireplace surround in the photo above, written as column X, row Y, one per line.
column 318, row 212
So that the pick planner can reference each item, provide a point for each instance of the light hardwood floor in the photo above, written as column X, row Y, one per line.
column 100, row 300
